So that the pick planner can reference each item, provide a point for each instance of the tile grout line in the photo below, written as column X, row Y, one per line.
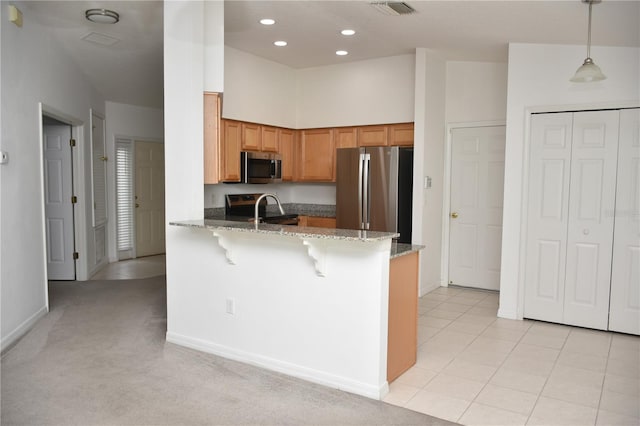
column 495, row 372
column 604, row 377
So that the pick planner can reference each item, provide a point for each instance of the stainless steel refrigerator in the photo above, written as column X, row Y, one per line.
column 374, row 189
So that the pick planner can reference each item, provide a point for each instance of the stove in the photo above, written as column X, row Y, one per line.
column 241, row 208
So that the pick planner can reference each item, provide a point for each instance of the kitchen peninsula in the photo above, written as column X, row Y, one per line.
column 308, row 302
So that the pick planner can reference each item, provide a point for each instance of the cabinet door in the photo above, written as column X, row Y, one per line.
column 401, row 134
column 548, row 204
column 269, row 139
column 211, row 137
column 592, row 189
column 372, row 136
column 251, row 137
column 316, row 155
column 624, row 313
column 230, row 148
column 286, row 138
column 321, row 222
column 346, row 137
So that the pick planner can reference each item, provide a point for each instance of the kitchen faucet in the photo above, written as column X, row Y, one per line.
column 256, row 218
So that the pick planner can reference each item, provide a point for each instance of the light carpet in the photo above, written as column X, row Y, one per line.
column 100, row 358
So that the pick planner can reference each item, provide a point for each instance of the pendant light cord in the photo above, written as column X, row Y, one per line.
column 589, row 32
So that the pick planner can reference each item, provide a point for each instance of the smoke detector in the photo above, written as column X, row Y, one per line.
column 394, row 8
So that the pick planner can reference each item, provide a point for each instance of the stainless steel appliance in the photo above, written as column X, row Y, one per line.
column 241, row 208
column 260, row 167
column 374, row 189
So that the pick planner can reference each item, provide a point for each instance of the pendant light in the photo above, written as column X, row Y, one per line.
column 588, row 71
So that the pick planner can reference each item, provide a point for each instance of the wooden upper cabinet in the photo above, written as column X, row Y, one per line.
column 315, row 155
column 269, row 139
column 346, row 137
column 230, row 147
column 286, row 142
column 401, row 134
column 372, row 136
column 211, row 137
column 251, row 137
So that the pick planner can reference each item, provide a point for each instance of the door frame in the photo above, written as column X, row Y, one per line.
column 446, row 191
column 78, row 170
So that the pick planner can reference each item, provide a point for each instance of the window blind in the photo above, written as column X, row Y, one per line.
column 124, row 194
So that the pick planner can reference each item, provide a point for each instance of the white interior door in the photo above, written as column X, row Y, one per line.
column 149, row 198
column 594, row 157
column 625, row 276
column 547, row 216
column 58, row 190
column 477, row 193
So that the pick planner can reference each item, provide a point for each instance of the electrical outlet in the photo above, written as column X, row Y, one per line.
column 231, row 306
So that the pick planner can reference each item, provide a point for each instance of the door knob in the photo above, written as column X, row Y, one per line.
column 137, row 205
column 454, row 215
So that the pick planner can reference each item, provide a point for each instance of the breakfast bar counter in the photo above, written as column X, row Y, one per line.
column 308, row 302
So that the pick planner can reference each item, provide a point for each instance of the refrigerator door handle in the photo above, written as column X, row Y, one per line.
column 365, row 190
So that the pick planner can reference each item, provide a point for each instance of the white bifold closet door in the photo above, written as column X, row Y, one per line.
column 592, row 189
column 572, row 185
column 625, row 274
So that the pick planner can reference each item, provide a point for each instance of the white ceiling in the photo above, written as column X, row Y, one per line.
column 130, row 71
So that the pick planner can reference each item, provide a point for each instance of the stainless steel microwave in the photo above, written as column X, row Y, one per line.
column 260, row 167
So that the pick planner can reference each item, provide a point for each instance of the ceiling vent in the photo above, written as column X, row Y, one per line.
column 101, row 39
column 394, row 8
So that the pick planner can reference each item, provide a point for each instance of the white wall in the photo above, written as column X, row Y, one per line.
column 539, row 79
column 476, row 91
column 130, row 122
column 35, row 69
column 373, row 91
column 258, row 90
column 429, row 158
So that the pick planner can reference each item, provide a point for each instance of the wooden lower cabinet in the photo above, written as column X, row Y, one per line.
column 317, row 221
column 402, row 340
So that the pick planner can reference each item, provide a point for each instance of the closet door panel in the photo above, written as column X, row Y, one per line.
column 625, row 276
column 548, row 202
column 590, row 231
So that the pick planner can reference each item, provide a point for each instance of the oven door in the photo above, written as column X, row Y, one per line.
column 260, row 167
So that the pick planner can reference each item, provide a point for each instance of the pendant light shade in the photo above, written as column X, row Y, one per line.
column 588, row 71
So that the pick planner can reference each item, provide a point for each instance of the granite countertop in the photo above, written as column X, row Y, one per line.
column 400, row 249
column 294, row 231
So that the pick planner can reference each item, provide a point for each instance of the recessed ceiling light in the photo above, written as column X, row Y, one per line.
column 102, row 16
column 347, row 32
column 267, row 21
column 280, row 43
column 341, row 52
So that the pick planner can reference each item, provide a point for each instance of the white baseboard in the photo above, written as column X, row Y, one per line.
column 508, row 314
column 301, row 372
column 428, row 287
column 8, row 340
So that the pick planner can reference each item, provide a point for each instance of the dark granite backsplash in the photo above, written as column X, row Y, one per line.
column 323, row 210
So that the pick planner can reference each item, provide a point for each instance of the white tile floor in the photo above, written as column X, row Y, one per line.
column 142, row 267
column 477, row 369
